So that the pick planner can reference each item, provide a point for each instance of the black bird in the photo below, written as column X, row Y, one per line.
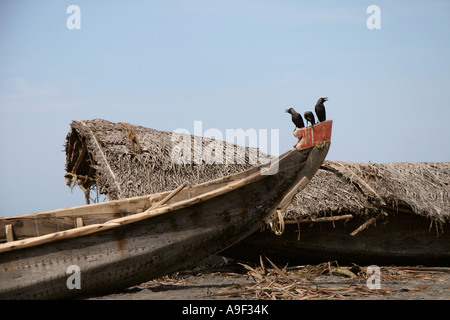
column 296, row 118
column 309, row 116
column 320, row 109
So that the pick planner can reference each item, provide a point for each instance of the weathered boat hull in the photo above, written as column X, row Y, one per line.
column 400, row 239
column 123, row 253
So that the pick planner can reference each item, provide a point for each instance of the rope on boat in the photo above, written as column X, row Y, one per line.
column 277, row 223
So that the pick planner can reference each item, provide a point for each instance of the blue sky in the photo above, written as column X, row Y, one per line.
column 230, row 64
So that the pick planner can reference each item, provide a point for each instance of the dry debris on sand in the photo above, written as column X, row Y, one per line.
column 326, row 281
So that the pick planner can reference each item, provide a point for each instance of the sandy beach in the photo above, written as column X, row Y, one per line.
column 312, row 282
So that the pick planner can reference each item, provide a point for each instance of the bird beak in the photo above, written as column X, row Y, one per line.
column 325, row 99
column 286, row 110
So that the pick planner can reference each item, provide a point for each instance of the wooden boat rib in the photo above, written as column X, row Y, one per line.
column 122, row 243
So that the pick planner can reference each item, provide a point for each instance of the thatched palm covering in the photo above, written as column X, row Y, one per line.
column 125, row 161
column 369, row 189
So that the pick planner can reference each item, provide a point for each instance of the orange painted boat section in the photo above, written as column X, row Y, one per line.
column 311, row 136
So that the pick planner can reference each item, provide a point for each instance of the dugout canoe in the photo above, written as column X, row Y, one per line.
column 363, row 213
column 400, row 238
column 99, row 248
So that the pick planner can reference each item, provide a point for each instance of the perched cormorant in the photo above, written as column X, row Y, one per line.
column 296, row 118
column 309, row 116
column 320, row 109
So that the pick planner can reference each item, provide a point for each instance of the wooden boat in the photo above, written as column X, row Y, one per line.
column 399, row 239
column 363, row 213
column 99, row 248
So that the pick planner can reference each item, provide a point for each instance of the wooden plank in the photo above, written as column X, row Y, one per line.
column 26, row 227
column 9, row 233
column 363, row 226
column 36, row 224
column 170, row 196
column 130, row 204
column 321, row 219
column 311, row 136
column 80, row 222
